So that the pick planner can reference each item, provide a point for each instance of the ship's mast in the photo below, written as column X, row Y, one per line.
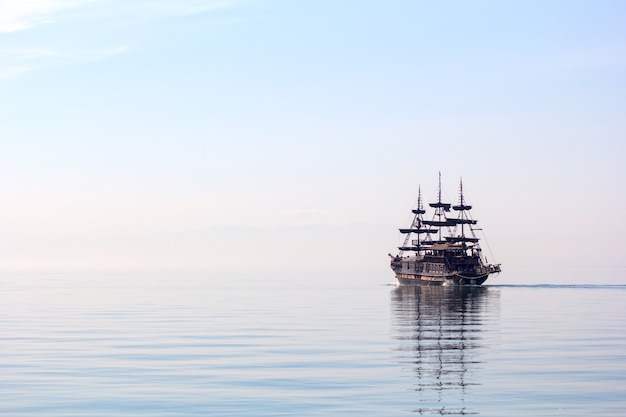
column 417, row 228
column 461, row 203
column 440, row 215
column 438, row 210
column 464, row 218
column 417, row 219
column 459, row 250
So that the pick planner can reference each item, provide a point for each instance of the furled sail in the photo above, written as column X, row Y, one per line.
column 461, row 207
column 462, row 221
column 419, row 231
column 446, row 222
column 434, row 242
column 443, row 250
column 455, row 239
column 414, row 248
column 439, row 204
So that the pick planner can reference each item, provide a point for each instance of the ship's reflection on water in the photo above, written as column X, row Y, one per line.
column 441, row 334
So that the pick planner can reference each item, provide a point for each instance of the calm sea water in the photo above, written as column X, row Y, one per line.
column 97, row 344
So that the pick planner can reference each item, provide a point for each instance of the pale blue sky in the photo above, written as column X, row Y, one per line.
column 192, row 134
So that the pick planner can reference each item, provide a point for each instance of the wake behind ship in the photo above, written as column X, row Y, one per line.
column 444, row 250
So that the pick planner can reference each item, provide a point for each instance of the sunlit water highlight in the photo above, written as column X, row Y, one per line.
column 208, row 344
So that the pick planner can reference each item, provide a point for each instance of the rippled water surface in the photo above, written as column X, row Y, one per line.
column 223, row 345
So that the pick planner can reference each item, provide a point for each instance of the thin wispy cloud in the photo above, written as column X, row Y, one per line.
column 15, row 61
column 18, row 15
column 159, row 9
column 71, row 23
column 106, row 53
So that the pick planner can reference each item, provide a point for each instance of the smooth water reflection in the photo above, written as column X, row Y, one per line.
column 441, row 332
column 174, row 345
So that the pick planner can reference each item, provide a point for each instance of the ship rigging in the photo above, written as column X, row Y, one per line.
column 444, row 250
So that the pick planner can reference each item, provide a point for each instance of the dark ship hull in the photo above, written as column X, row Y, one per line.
column 435, row 281
column 419, row 272
column 447, row 279
column 453, row 257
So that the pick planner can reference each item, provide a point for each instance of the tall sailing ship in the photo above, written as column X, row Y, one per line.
column 444, row 250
